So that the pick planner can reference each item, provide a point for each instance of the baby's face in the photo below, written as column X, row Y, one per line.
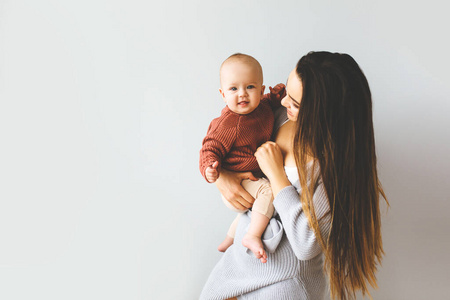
column 241, row 86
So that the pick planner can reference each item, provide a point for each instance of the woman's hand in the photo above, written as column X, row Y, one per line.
column 270, row 160
column 229, row 185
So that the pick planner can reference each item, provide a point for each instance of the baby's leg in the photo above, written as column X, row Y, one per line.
column 252, row 239
column 229, row 239
column 261, row 213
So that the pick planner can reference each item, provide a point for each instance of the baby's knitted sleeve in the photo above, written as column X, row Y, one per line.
column 218, row 142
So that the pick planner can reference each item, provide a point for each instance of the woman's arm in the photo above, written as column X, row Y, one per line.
column 229, row 185
column 288, row 205
column 295, row 222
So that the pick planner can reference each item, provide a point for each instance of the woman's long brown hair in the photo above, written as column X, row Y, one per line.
column 334, row 126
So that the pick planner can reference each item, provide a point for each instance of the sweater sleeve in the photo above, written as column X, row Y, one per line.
column 217, row 143
column 296, row 226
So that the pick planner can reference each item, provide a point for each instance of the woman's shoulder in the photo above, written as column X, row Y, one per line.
column 281, row 117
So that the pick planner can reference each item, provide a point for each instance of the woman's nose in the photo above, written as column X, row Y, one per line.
column 284, row 102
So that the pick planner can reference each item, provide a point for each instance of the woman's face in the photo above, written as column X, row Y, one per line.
column 294, row 93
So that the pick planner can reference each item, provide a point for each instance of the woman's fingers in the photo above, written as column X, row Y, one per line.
column 246, row 199
column 241, row 200
column 267, row 147
column 238, row 205
column 229, row 185
column 269, row 144
column 270, row 159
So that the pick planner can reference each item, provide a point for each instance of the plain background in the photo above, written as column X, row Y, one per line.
column 104, row 105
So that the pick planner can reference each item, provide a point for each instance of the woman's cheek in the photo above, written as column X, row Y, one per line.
column 295, row 113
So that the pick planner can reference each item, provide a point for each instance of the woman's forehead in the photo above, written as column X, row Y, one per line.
column 294, row 86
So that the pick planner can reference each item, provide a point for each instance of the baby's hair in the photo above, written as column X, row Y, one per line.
column 245, row 58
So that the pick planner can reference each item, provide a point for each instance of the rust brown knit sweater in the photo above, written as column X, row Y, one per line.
column 232, row 139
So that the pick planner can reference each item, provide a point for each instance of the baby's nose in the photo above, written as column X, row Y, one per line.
column 243, row 92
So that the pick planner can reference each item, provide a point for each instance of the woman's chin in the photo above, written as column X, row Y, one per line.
column 292, row 118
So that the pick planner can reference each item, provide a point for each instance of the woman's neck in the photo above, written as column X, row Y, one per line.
column 285, row 139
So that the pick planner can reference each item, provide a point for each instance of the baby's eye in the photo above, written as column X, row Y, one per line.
column 251, row 87
column 233, row 89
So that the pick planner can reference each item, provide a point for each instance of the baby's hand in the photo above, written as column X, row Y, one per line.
column 212, row 173
column 277, row 92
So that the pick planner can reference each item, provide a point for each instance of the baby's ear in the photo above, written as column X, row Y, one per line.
column 263, row 87
column 222, row 94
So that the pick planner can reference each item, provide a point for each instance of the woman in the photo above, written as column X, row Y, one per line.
column 322, row 169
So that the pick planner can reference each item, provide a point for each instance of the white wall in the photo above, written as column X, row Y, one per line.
column 104, row 105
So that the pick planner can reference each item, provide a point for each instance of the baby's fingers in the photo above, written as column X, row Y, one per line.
column 211, row 172
column 279, row 89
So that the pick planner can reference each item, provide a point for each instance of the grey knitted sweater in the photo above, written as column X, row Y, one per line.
column 294, row 268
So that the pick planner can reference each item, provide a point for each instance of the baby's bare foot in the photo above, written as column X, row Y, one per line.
column 227, row 242
column 255, row 244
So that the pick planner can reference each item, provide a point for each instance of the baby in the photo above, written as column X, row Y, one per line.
column 232, row 139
